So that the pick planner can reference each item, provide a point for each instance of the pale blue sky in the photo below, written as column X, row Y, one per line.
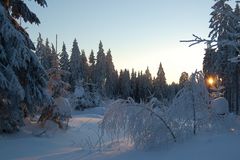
column 140, row 33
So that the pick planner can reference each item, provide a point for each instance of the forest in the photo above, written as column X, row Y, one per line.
column 45, row 94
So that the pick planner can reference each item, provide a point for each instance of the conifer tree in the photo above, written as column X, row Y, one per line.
column 75, row 64
column 46, row 58
column 64, row 63
column 111, row 76
column 223, row 29
column 140, row 84
column 134, row 85
column 40, row 48
column 22, row 77
column 160, row 84
column 84, row 66
column 124, row 84
column 64, row 59
column 91, row 67
column 147, row 85
column 100, row 69
column 209, row 61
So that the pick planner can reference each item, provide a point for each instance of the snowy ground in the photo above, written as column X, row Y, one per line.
column 77, row 143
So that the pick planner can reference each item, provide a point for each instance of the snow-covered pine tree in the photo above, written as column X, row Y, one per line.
column 75, row 64
column 22, row 77
column 160, row 84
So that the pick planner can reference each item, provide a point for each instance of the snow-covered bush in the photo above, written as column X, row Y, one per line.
column 143, row 125
column 221, row 120
column 82, row 98
column 59, row 112
column 219, row 106
column 189, row 109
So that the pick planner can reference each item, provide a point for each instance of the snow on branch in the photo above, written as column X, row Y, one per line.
column 143, row 125
column 198, row 40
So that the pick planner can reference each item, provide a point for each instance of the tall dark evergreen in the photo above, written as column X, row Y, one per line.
column 22, row 77
column 40, row 48
column 146, row 85
column 64, row 63
column 111, row 76
column 75, row 64
column 160, row 84
column 100, row 69
column 124, row 84
column 208, row 61
column 64, row 59
column 134, row 85
column 91, row 77
column 46, row 57
column 84, row 66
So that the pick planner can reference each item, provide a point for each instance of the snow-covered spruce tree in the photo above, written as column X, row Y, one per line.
column 64, row 63
column 75, row 64
column 59, row 111
column 189, row 109
column 22, row 78
column 138, row 122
